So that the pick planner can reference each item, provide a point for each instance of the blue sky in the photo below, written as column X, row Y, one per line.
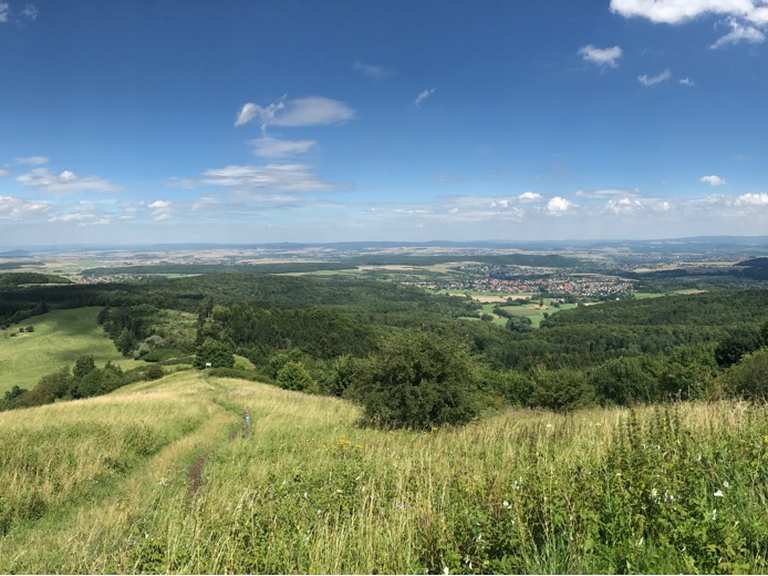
column 163, row 121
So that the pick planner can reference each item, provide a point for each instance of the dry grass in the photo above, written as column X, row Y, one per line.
column 310, row 491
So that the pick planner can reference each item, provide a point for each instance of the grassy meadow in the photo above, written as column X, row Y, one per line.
column 162, row 477
column 59, row 338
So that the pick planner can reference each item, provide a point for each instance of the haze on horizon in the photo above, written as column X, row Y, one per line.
column 272, row 121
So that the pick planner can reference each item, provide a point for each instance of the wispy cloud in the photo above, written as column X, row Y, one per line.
column 5, row 11
column 287, row 177
column 267, row 147
column 32, row 160
column 687, row 82
column 423, row 96
column 740, row 33
column 649, row 81
column 713, row 180
column 529, row 197
column 14, row 208
column 3, row 172
column 607, row 57
column 161, row 210
column 30, row 12
column 65, row 181
column 310, row 111
column 371, row 71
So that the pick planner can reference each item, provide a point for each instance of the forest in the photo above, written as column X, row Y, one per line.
column 356, row 338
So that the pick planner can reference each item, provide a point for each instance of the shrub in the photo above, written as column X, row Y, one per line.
column 417, row 381
column 749, row 378
column 294, row 376
column 735, row 345
column 625, row 381
column 215, row 353
column 561, row 390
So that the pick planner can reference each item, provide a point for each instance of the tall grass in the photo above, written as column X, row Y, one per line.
column 656, row 490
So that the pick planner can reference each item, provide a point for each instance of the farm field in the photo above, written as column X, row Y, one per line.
column 161, row 477
column 59, row 338
column 535, row 312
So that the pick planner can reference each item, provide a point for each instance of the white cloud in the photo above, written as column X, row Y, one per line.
column 3, row 172
column 65, row 181
column 623, row 205
column 753, row 199
column 12, row 207
column 423, row 96
column 712, row 180
column 371, row 70
column 678, row 11
column 5, row 10
column 559, row 205
column 602, row 56
column 161, row 210
column 739, row 33
column 311, row 111
column 32, row 160
column 687, row 82
column 649, row 81
column 287, row 177
column 267, row 147
column 607, row 192
column 747, row 18
column 82, row 218
column 529, row 197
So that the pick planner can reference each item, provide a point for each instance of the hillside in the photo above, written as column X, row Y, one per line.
column 159, row 477
column 58, row 339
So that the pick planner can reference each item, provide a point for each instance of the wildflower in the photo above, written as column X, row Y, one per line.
column 446, row 570
column 718, row 493
column 713, row 515
column 506, row 504
column 306, row 495
column 654, row 493
column 338, row 491
column 726, row 484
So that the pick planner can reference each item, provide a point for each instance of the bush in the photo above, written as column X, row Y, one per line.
column 625, row 381
column 749, row 378
column 561, row 390
column 294, row 376
column 737, row 344
column 417, row 381
column 215, row 353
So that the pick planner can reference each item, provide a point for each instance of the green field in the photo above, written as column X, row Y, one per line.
column 536, row 312
column 59, row 338
column 160, row 477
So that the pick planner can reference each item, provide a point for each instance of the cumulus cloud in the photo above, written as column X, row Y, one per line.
column 310, row 111
column 13, row 208
column 287, row 177
column 559, row 205
column 739, row 33
column 423, row 96
column 601, row 56
column 372, row 71
column 678, row 11
column 267, row 147
column 649, row 81
column 747, row 18
column 529, row 197
column 32, row 160
column 753, row 199
column 713, row 180
column 64, row 181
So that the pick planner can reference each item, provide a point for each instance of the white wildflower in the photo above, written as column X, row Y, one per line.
column 726, row 484
column 718, row 494
column 506, row 504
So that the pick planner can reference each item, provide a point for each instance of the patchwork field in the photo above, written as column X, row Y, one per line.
column 163, row 477
column 59, row 338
